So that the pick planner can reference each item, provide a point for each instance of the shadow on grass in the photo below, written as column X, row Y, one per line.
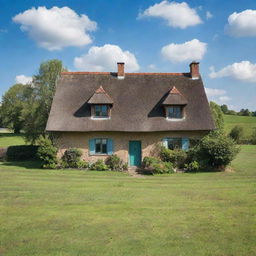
column 30, row 164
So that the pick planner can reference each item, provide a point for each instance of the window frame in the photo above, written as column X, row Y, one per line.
column 93, row 111
column 173, row 139
column 182, row 112
column 101, row 146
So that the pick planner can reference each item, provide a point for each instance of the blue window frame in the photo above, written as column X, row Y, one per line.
column 101, row 146
column 174, row 112
column 101, row 110
column 176, row 143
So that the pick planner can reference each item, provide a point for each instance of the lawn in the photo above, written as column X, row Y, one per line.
column 11, row 139
column 247, row 122
column 57, row 212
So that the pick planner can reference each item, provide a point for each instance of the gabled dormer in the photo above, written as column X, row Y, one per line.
column 174, row 105
column 101, row 104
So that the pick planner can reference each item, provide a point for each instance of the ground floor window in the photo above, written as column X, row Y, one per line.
column 176, row 143
column 101, row 146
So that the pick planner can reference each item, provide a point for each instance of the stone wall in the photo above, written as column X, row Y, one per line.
column 149, row 141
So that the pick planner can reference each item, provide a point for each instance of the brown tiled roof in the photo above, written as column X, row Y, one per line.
column 174, row 97
column 100, row 97
column 137, row 101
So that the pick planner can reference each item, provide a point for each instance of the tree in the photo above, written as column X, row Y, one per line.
column 224, row 108
column 12, row 105
column 244, row 112
column 236, row 133
column 39, row 99
column 217, row 115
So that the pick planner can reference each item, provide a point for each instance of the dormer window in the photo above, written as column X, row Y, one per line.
column 174, row 105
column 175, row 112
column 101, row 104
column 101, row 111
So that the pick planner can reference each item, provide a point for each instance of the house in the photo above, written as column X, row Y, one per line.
column 128, row 114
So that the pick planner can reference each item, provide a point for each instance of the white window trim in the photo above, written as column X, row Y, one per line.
column 175, row 119
column 100, row 118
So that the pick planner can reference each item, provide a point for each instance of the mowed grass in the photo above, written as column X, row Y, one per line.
column 247, row 122
column 11, row 139
column 68, row 212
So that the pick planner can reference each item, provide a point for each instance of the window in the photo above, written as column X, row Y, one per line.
column 174, row 112
column 101, row 110
column 174, row 143
column 101, row 146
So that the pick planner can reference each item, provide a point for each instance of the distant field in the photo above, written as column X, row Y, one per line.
column 10, row 139
column 247, row 122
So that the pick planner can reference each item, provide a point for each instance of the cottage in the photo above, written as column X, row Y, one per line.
column 128, row 114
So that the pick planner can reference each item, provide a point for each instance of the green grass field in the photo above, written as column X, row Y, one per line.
column 247, row 122
column 65, row 212
column 10, row 139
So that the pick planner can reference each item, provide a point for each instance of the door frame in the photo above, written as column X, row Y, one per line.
column 140, row 156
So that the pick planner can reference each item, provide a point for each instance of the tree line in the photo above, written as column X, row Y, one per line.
column 242, row 112
column 26, row 107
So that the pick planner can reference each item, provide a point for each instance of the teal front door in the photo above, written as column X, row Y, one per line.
column 135, row 153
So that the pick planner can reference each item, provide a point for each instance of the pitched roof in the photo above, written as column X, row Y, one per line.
column 100, row 97
column 174, row 97
column 137, row 101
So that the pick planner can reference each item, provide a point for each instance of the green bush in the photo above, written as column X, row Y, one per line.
column 20, row 153
column 216, row 150
column 156, row 166
column 99, row 165
column 236, row 133
column 192, row 166
column 47, row 153
column 115, row 163
column 253, row 137
column 177, row 156
column 72, row 159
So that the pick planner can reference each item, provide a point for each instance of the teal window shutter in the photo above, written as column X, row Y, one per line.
column 110, row 147
column 165, row 142
column 185, row 143
column 92, row 146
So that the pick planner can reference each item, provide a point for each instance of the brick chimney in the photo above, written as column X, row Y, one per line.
column 194, row 70
column 120, row 70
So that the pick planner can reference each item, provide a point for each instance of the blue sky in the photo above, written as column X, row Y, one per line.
column 150, row 36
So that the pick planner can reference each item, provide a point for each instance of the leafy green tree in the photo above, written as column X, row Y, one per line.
column 217, row 115
column 39, row 99
column 244, row 112
column 224, row 108
column 12, row 106
column 236, row 133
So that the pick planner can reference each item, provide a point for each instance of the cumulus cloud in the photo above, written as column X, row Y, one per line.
column 188, row 51
column 243, row 71
column 224, row 99
column 56, row 28
column 214, row 92
column 217, row 95
column 242, row 23
column 208, row 15
column 177, row 15
column 22, row 79
column 105, row 58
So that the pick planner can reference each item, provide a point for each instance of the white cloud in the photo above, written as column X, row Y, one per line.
column 188, row 51
column 208, row 15
column 56, row 28
column 22, row 79
column 177, row 15
column 242, row 23
column 152, row 66
column 224, row 99
column 243, row 71
column 105, row 58
column 214, row 92
column 217, row 95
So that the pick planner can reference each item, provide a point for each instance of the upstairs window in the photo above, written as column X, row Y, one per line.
column 101, row 146
column 101, row 111
column 175, row 112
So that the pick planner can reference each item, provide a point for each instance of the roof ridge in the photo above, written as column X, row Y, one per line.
column 174, row 90
column 109, row 73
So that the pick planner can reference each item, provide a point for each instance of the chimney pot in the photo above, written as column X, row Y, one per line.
column 120, row 70
column 194, row 70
